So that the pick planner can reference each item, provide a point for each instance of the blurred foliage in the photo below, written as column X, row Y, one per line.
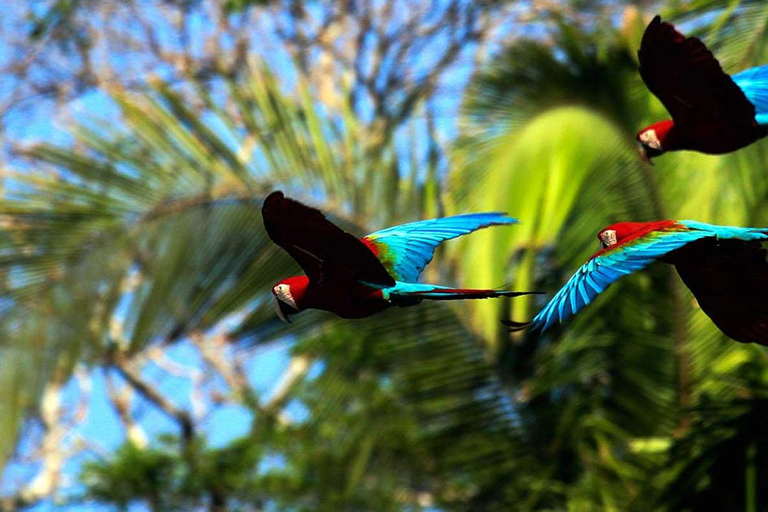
column 148, row 231
column 234, row 6
column 173, row 480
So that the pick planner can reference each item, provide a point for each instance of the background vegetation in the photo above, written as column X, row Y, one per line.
column 142, row 367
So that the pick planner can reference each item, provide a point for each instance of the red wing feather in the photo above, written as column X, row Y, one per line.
column 323, row 250
column 688, row 80
column 729, row 279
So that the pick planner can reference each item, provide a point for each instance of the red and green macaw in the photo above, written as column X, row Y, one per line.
column 724, row 267
column 711, row 111
column 355, row 278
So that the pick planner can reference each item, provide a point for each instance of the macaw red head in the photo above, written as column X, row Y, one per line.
column 288, row 296
column 607, row 237
column 653, row 140
column 622, row 232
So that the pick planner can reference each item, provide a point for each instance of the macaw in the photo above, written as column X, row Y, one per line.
column 355, row 278
column 711, row 111
column 724, row 267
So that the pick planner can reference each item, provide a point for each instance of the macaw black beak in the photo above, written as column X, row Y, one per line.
column 643, row 151
column 284, row 311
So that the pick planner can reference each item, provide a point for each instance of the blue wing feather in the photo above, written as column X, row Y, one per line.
column 754, row 83
column 601, row 271
column 406, row 249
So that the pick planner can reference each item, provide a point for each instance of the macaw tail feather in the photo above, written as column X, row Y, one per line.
column 455, row 294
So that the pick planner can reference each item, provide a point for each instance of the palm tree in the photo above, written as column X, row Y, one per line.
column 148, row 231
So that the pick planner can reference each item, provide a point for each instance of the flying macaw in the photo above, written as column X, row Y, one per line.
column 711, row 111
column 724, row 267
column 355, row 278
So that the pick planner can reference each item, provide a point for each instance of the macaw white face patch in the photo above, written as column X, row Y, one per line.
column 608, row 238
column 283, row 294
column 650, row 139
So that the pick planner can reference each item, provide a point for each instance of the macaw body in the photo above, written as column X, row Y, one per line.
column 712, row 112
column 356, row 278
column 724, row 267
column 347, row 300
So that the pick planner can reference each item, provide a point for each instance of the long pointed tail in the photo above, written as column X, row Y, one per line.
column 440, row 293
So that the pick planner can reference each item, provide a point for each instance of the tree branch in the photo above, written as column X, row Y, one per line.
column 124, row 367
column 121, row 400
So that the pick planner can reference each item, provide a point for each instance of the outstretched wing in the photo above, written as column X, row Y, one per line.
column 322, row 249
column 729, row 279
column 405, row 250
column 754, row 84
column 608, row 265
column 688, row 80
